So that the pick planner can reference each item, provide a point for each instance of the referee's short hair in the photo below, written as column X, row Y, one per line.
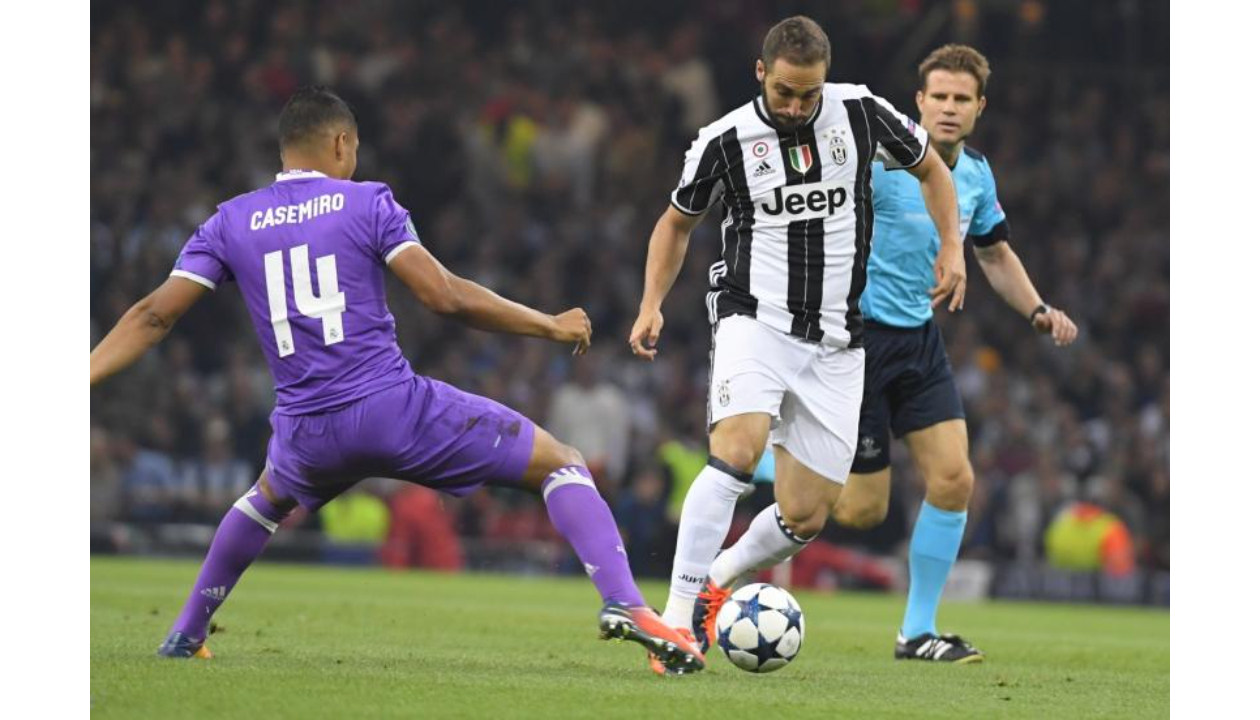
column 799, row 40
column 956, row 58
column 311, row 111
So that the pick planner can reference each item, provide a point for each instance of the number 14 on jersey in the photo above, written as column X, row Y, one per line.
column 328, row 306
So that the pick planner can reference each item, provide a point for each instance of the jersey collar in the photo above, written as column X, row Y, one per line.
column 298, row 175
column 759, row 104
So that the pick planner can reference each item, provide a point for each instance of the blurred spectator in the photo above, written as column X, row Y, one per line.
column 1084, row 537
column 594, row 417
column 640, row 514
column 684, row 461
column 355, row 526
column 688, row 79
column 421, row 533
column 212, row 482
column 106, row 499
column 148, row 482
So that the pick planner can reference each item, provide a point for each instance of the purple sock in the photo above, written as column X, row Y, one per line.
column 583, row 518
column 240, row 539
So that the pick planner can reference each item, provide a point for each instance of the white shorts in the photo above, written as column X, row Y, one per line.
column 812, row 392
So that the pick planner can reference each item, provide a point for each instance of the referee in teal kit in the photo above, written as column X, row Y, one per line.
column 909, row 383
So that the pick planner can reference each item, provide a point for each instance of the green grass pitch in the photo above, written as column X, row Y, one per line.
column 305, row 642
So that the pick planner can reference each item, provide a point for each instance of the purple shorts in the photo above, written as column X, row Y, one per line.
column 422, row 431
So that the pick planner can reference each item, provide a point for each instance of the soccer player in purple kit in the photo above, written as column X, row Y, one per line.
column 348, row 405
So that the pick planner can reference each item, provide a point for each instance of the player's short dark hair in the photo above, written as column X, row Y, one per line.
column 798, row 40
column 956, row 58
column 310, row 111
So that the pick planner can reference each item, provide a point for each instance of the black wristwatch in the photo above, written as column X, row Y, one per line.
column 1042, row 308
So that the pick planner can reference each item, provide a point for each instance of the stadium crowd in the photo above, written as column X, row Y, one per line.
column 536, row 146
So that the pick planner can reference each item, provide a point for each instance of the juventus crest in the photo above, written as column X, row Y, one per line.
column 838, row 151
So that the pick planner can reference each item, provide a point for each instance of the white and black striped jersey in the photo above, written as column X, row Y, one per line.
column 797, row 216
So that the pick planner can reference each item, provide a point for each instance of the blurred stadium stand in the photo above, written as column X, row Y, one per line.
column 535, row 144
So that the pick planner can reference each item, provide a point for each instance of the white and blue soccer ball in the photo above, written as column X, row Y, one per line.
column 760, row 628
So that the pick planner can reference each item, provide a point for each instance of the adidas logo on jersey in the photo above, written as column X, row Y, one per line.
column 763, row 170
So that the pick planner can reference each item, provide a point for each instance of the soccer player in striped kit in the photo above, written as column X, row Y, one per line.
column 792, row 171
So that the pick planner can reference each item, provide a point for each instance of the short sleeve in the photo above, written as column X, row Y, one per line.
column 988, row 225
column 902, row 143
column 703, row 169
column 201, row 260
column 395, row 230
column 879, row 185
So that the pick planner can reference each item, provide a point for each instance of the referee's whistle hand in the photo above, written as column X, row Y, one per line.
column 644, row 334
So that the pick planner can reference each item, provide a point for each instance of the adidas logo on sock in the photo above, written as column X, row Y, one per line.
column 591, row 569
column 763, row 169
column 215, row 593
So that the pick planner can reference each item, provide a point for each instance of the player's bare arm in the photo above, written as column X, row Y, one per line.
column 666, row 251
column 942, row 204
column 445, row 293
column 1006, row 273
column 143, row 326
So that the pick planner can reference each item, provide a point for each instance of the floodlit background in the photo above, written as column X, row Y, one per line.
column 535, row 144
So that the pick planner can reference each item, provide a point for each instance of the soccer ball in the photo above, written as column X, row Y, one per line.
column 760, row 628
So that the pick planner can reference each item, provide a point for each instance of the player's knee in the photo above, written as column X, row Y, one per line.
column 807, row 528
column 951, row 490
column 573, row 456
column 281, row 503
column 739, row 442
column 564, row 456
column 737, row 453
column 550, row 454
column 860, row 516
column 803, row 522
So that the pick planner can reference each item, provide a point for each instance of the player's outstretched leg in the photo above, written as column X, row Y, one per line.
column 803, row 502
column 240, row 539
column 580, row 514
column 940, row 452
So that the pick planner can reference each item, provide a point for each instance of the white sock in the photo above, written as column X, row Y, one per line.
column 767, row 543
column 706, row 518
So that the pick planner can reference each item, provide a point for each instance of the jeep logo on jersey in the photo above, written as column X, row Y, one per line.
column 806, row 202
column 801, row 157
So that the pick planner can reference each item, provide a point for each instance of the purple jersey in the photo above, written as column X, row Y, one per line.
column 309, row 253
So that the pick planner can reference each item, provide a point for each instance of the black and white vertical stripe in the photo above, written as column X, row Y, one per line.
column 863, row 214
column 806, row 253
column 700, row 184
column 787, row 261
column 734, row 289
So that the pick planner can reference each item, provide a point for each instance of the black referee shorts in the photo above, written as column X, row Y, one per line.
column 909, row 386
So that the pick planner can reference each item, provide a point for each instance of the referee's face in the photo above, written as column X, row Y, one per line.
column 949, row 104
column 791, row 91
